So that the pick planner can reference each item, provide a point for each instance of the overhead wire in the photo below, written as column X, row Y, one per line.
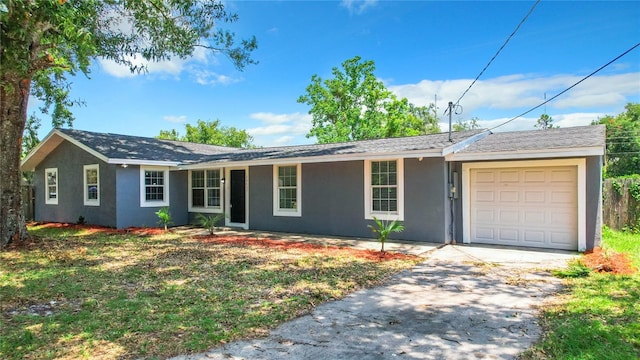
column 498, row 52
column 569, row 88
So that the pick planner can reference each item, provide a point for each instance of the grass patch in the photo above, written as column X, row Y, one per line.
column 81, row 294
column 597, row 316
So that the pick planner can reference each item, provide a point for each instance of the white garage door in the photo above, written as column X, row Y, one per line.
column 535, row 207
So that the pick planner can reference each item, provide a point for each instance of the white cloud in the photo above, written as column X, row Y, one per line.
column 175, row 119
column 357, row 6
column 524, row 90
column 206, row 77
column 281, row 124
column 172, row 67
column 283, row 140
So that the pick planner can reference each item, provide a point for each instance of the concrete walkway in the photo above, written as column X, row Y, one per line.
column 462, row 302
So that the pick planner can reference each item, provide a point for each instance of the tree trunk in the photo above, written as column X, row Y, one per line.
column 14, row 96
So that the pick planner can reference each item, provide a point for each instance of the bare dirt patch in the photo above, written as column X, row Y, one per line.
column 609, row 261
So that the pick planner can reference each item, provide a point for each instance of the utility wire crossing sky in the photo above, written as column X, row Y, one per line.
column 423, row 51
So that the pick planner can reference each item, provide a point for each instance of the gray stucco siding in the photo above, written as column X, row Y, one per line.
column 129, row 211
column 70, row 160
column 594, row 201
column 333, row 201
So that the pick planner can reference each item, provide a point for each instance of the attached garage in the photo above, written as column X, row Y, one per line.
column 531, row 203
column 526, row 206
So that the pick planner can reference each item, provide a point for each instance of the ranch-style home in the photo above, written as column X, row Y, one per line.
column 539, row 188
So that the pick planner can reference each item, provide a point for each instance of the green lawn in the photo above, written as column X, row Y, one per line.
column 75, row 294
column 598, row 316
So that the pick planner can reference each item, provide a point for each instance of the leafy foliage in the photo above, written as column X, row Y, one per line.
column 164, row 217
column 545, row 122
column 623, row 141
column 209, row 222
column 43, row 42
column 355, row 105
column 384, row 228
column 212, row 133
column 462, row 125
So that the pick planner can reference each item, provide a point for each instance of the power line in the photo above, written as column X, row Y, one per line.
column 570, row 87
column 498, row 52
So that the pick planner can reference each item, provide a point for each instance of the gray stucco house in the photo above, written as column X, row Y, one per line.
column 538, row 188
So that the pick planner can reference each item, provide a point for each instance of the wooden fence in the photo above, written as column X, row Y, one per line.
column 621, row 204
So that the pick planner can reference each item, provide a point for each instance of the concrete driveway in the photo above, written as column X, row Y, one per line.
column 462, row 302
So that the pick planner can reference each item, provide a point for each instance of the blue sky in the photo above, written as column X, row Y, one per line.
column 421, row 49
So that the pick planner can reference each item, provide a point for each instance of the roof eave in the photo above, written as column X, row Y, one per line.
column 436, row 152
column 527, row 154
column 143, row 162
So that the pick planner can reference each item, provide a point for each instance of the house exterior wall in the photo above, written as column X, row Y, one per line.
column 333, row 200
column 70, row 160
column 594, row 201
column 129, row 211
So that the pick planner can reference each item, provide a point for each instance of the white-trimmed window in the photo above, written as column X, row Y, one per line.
column 384, row 189
column 154, row 186
column 51, row 192
column 205, row 191
column 91, row 185
column 287, row 190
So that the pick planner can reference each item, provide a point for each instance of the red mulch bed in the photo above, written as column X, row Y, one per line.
column 608, row 261
column 94, row 229
column 235, row 240
column 311, row 247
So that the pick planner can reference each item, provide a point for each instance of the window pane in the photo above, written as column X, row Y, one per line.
column 52, row 192
column 287, row 176
column 288, row 198
column 92, row 192
column 51, row 178
column 197, row 179
column 213, row 197
column 154, row 193
column 213, row 178
column 197, row 197
column 92, row 176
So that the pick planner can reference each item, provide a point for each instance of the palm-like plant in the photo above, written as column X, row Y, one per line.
column 164, row 217
column 383, row 228
column 209, row 222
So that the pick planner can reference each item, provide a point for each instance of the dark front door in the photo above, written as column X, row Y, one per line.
column 237, row 201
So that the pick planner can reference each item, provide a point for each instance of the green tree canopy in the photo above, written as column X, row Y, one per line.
column 42, row 42
column 212, row 133
column 462, row 125
column 355, row 105
column 545, row 122
column 623, row 141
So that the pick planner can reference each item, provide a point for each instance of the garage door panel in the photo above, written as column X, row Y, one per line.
column 534, row 216
column 509, row 217
column 534, row 236
column 509, row 176
column 534, row 196
column 484, row 233
column 485, row 176
column 534, row 176
column 509, row 196
column 485, row 215
column 562, row 197
column 485, row 196
column 508, row 235
column 534, row 206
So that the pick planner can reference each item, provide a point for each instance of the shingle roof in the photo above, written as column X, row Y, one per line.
column 116, row 146
column 427, row 143
column 532, row 140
